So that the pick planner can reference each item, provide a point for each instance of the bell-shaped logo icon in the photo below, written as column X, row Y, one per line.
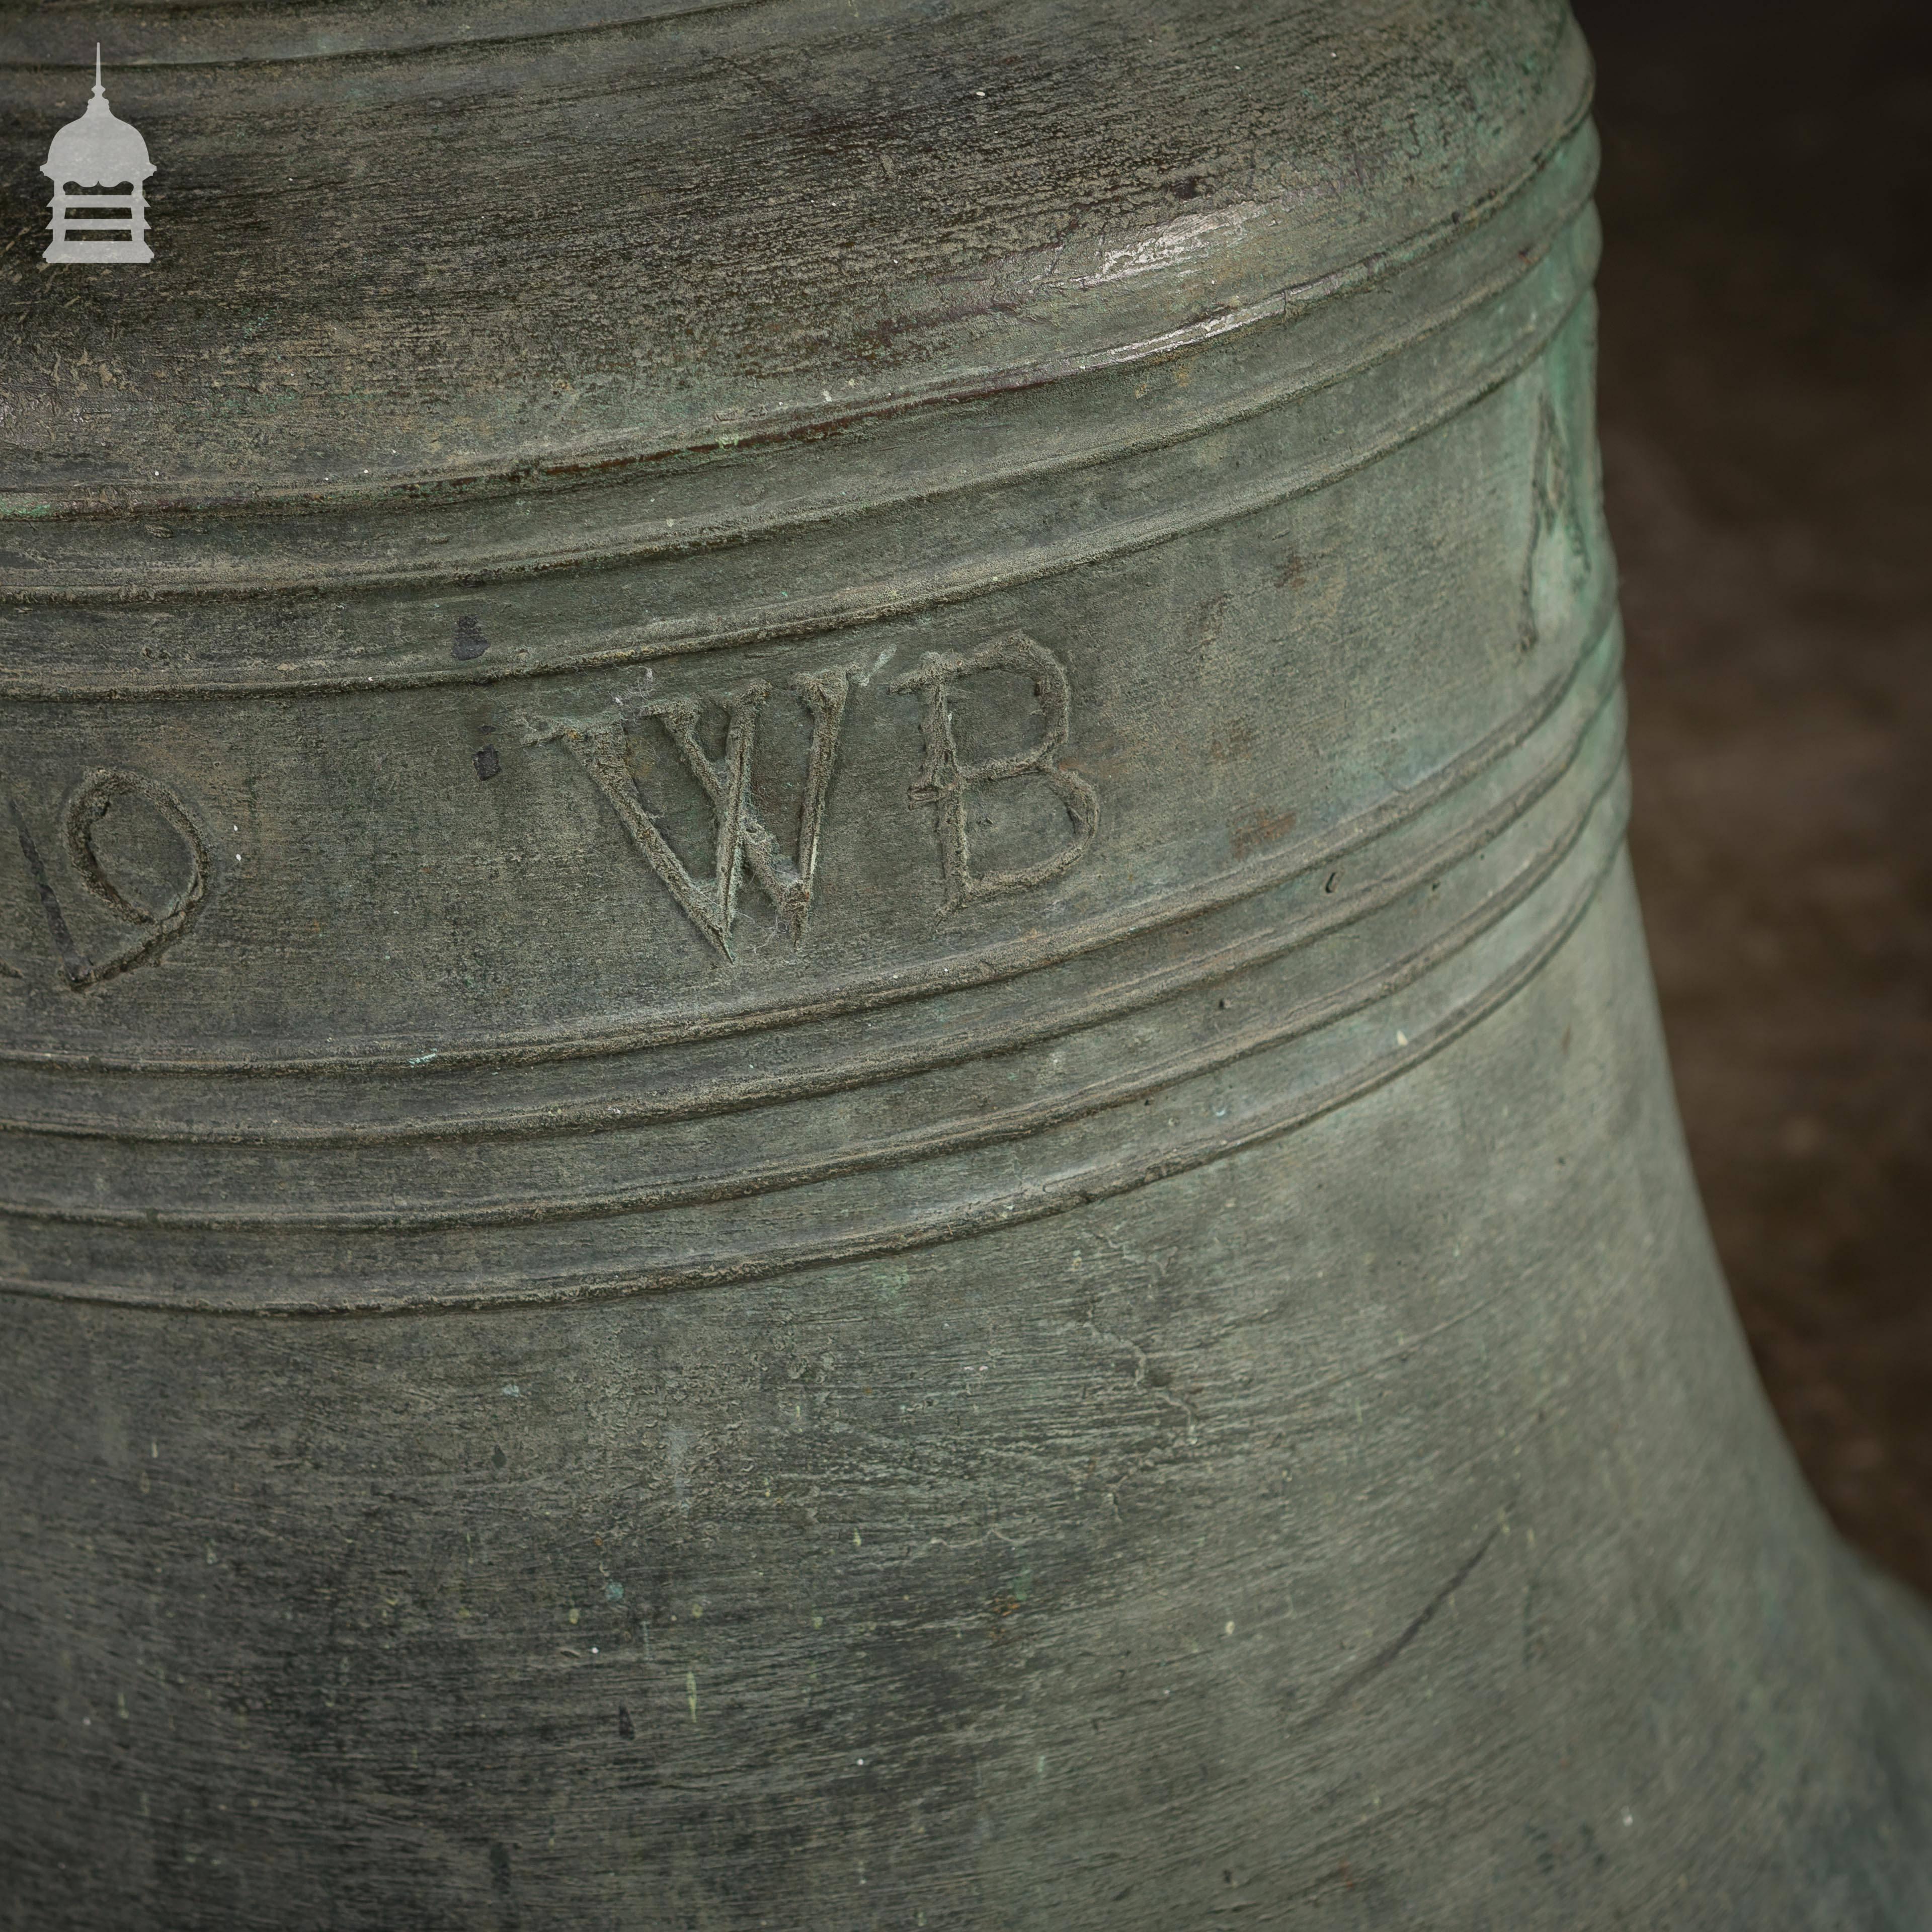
column 97, row 164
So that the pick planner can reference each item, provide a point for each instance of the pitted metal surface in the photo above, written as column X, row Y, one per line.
column 876, row 759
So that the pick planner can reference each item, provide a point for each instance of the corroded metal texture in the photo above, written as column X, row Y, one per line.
column 829, row 1097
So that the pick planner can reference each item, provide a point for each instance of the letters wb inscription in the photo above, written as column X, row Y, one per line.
column 745, row 843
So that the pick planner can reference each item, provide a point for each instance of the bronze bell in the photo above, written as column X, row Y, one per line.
column 830, row 1096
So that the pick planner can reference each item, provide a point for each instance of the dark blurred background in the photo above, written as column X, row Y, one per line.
column 1767, row 423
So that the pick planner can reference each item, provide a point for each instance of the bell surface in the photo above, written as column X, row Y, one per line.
column 828, row 1095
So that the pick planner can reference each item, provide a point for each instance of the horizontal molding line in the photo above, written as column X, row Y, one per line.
column 1053, row 1194
column 1010, row 960
column 466, row 574
column 860, row 608
column 963, row 1041
column 998, row 1126
column 590, row 464
column 77, row 72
